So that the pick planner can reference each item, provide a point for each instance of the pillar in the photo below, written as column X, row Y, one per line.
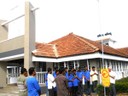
column 3, row 74
column 29, row 37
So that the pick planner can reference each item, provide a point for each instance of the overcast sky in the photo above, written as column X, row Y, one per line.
column 56, row 18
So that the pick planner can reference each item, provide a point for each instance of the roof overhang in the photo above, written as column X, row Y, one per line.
column 14, row 57
column 63, row 59
column 79, row 57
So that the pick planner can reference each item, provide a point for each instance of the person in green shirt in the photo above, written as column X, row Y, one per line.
column 21, row 82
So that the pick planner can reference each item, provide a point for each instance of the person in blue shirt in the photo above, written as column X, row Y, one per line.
column 66, row 72
column 32, row 84
column 46, row 82
column 70, row 82
column 54, row 72
column 75, row 83
column 80, row 76
column 87, row 81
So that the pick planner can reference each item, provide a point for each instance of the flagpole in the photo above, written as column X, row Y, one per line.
column 102, row 46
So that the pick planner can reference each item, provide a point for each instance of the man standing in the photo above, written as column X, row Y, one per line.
column 62, row 83
column 75, row 83
column 87, row 80
column 94, row 78
column 51, row 83
column 21, row 82
column 112, row 82
column 46, row 81
column 32, row 84
column 80, row 76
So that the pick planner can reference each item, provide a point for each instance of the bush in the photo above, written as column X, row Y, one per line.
column 121, row 87
column 123, row 80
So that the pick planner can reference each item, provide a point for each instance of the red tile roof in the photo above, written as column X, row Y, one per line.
column 71, row 45
column 44, row 49
column 107, row 49
column 123, row 50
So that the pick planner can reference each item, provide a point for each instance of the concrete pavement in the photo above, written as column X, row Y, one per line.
column 10, row 90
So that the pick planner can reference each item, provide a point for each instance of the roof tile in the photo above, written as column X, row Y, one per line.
column 71, row 45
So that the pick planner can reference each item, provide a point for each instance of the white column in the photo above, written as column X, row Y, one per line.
column 78, row 64
column 110, row 63
column 116, row 63
column 74, row 64
column 121, row 66
column 12, row 74
column 64, row 64
column 105, row 63
column 87, row 64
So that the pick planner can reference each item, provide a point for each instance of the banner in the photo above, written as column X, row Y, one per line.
column 105, row 77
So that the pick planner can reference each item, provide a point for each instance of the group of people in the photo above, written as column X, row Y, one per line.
column 63, row 82
column 28, row 85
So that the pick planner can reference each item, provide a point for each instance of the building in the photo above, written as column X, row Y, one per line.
column 17, row 51
column 74, row 51
column 69, row 51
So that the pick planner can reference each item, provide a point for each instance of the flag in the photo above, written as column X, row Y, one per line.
column 105, row 77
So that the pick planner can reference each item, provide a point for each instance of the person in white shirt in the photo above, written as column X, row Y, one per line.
column 51, row 83
column 112, row 75
column 94, row 78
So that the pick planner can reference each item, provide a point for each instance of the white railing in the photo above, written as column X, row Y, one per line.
column 12, row 78
column 125, row 73
column 40, row 76
column 121, row 74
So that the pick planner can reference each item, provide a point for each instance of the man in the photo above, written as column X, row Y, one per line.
column 21, row 82
column 87, row 80
column 75, row 83
column 112, row 82
column 46, row 81
column 94, row 78
column 62, row 83
column 80, row 76
column 66, row 72
column 51, row 83
column 55, row 75
column 32, row 84
column 70, row 82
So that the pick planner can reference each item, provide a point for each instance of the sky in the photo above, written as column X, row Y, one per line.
column 57, row 18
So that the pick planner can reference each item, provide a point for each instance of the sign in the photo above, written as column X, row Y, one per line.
column 105, row 77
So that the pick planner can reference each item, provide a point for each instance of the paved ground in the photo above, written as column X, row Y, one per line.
column 10, row 90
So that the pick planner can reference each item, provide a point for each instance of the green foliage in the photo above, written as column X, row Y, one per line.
column 121, row 87
column 123, row 80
